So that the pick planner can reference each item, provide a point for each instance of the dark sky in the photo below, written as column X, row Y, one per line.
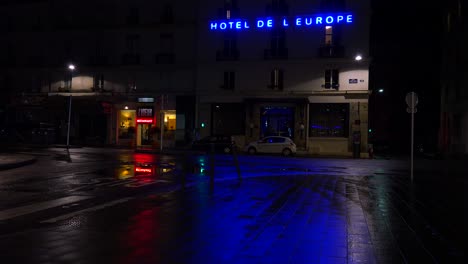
column 406, row 52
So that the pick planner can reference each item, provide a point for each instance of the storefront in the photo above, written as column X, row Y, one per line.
column 140, row 123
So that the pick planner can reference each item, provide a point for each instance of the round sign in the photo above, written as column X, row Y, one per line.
column 411, row 99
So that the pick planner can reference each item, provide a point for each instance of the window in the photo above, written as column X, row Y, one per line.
column 167, row 43
column 230, row 45
column 132, row 43
column 328, row 35
column 277, row 8
column 332, row 79
column 132, row 84
column 99, row 82
column 276, row 79
column 167, row 16
column 229, row 81
column 278, row 48
column 329, row 120
column 229, row 50
column 278, row 40
column 133, row 17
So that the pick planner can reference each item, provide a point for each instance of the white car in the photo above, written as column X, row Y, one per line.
column 273, row 144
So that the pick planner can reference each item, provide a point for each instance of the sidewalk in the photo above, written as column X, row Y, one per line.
column 10, row 161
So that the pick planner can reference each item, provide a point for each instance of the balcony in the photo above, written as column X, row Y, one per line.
column 227, row 55
column 276, row 54
column 165, row 58
column 331, row 51
column 98, row 60
column 131, row 59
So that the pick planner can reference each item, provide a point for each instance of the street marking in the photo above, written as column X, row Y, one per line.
column 32, row 208
column 91, row 209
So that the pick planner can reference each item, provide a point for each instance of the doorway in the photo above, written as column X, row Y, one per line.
column 277, row 121
column 145, row 135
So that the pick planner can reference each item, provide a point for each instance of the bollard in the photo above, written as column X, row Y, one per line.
column 212, row 163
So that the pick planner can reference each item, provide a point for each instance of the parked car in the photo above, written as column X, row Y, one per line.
column 218, row 143
column 273, row 144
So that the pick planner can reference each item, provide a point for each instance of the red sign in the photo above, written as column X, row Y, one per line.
column 147, row 170
column 144, row 120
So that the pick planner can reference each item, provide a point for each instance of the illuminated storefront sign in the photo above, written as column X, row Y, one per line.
column 298, row 22
column 143, row 120
column 145, row 112
column 145, row 170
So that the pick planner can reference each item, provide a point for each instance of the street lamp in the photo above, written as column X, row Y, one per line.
column 381, row 90
column 358, row 57
column 71, row 67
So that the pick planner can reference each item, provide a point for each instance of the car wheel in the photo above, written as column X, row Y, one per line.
column 286, row 152
column 227, row 150
column 252, row 151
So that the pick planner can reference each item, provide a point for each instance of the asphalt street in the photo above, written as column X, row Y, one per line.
column 93, row 205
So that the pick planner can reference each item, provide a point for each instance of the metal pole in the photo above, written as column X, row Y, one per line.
column 161, row 122
column 69, row 117
column 412, row 135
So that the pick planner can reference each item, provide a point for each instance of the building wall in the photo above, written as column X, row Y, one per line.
column 303, row 70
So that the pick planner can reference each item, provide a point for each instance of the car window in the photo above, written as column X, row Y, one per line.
column 277, row 140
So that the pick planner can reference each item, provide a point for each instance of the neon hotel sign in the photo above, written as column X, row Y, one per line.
column 298, row 22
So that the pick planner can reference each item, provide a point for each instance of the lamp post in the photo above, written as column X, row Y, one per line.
column 71, row 67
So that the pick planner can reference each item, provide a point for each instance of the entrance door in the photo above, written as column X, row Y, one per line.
column 145, row 137
column 277, row 121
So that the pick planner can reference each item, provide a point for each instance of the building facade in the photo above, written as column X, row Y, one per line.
column 453, row 135
column 278, row 70
column 243, row 68
column 133, row 61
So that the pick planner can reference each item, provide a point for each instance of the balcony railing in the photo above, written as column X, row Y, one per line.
column 131, row 59
column 227, row 55
column 165, row 58
column 276, row 54
column 98, row 60
column 331, row 51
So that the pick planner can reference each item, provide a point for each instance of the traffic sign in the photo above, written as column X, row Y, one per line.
column 411, row 99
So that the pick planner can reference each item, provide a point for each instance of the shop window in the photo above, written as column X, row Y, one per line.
column 329, row 120
column 228, row 119
column 127, row 124
column 277, row 121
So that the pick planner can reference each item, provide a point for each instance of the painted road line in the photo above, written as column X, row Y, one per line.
column 91, row 209
column 36, row 207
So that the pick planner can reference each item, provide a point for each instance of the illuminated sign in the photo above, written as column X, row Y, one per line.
column 145, row 112
column 146, row 100
column 147, row 170
column 285, row 22
column 144, row 120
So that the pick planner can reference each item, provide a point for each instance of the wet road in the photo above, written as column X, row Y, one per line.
column 116, row 206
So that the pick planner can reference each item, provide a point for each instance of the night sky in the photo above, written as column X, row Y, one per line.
column 406, row 56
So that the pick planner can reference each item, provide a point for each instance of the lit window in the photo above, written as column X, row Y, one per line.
column 228, row 14
column 328, row 35
column 332, row 79
column 276, row 79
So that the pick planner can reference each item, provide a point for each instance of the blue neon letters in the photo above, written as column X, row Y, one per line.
column 299, row 21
